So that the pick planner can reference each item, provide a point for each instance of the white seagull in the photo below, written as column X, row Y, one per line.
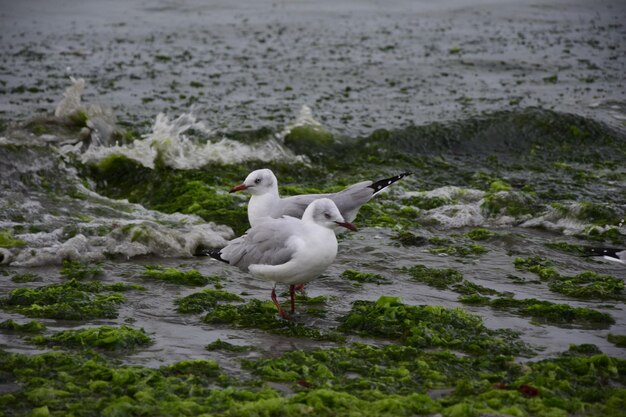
column 611, row 254
column 267, row 203
column 288, row 250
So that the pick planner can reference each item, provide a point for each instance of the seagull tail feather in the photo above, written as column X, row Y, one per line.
column 384, row 183
column 213, row 253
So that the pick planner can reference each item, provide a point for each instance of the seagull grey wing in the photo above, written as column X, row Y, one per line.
column 350, row 200
column 294, row 206
column 267, row 244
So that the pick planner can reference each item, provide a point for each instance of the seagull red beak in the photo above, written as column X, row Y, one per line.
column 238, row 188
column 347, row 226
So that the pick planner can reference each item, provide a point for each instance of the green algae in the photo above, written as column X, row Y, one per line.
column 204, row 300
column 72, row 300
column 26, row 277
column 597, row 214
column 426, row 203
column 466, row 287
column 429, row 327
column 67, row 126
column 458, row 250
column 617, row 339
column 447, row 278
column 407, row 238
column 8, row 241
column 196, row 197
column 78, row 270
column 263, row 315
column 538, row 265
column 589, row 284
column 356, row 381
column 566, row 247
column 175, row 276
column 84, row 385
column 433, row 277
column 32, row 326
column 511, row 203
column 367, row 371
column 229, row 347
column 552, row 313
column 600, row 234
column 308, row 139
column 499, row 185
column 364, row 277
column 198, row 192
column 581, row 380
column 480, row 234
column 103, row 337
column 388, row 215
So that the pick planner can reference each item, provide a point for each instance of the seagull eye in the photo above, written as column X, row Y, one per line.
column 257, row 181
column 327, row 215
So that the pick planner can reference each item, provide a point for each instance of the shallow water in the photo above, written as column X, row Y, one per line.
column 187, row 78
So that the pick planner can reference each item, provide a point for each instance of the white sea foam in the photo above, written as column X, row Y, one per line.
column 45, row 203
column 72, row 98
column 463, row 208
column 564, row 220
column 129, row 240
column 169, row 144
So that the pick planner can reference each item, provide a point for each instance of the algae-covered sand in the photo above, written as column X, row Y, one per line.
column 465, row 291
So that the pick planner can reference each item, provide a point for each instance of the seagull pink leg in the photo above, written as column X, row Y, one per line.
column 292, row 294
column 277, row 304
column 300, row 288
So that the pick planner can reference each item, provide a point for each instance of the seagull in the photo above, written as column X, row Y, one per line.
column 288, row 250
column 266, row 203
column 611, row 254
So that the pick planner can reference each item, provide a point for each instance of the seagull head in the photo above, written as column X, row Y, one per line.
column 325, row 213
column 258, row 182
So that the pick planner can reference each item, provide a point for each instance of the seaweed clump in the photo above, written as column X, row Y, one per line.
column 430, row 326
column 364, row 277
column 78, row 270
column 589, row 284
column 192, row 277
column 26, row 277
column 204, row 300
column 225, row 346
column 443, row 247
column 8, row 241
column 72, row 300
column 480, row 234
column 103, row 337
column 433, row 277
column 33, row 326
column 262, row 315
column 617, row 339
column 547, row 312
column 447, row 278
column 537, row 265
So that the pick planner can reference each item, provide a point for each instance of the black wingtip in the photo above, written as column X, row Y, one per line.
column 599, row 251
column 384, row 183
column 213, row 253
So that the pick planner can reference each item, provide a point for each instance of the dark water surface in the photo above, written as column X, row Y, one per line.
column 359, row 65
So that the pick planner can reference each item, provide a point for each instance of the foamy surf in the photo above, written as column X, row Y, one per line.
column 169, row 141
column 169, row 144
